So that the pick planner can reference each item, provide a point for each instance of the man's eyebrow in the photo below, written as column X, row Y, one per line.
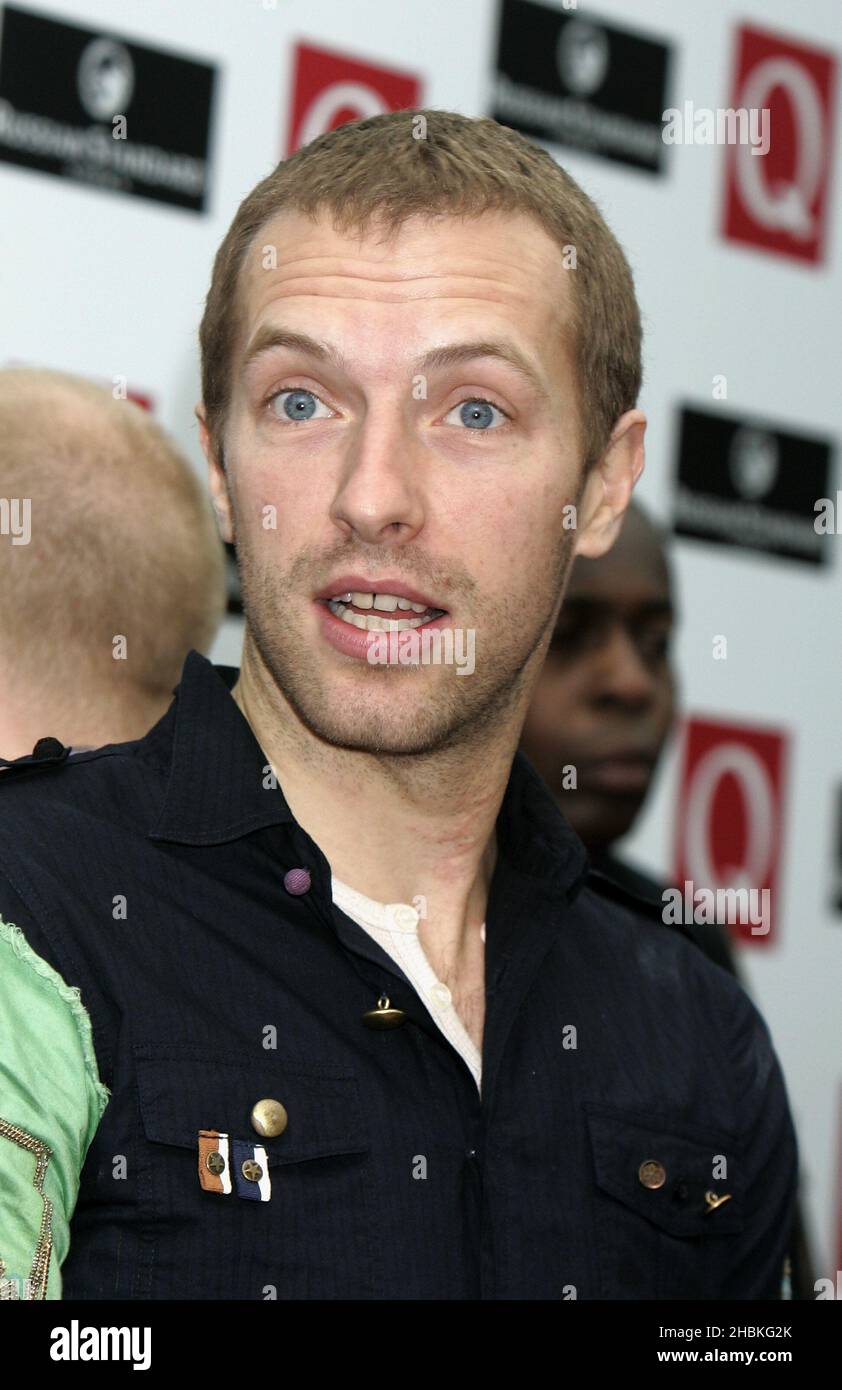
column 269, row 339
column 455, row 353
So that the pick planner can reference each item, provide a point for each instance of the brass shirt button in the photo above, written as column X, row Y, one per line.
column 384, row 1016
column 652, row 1174
column 269, row 1118
column 215, row 1163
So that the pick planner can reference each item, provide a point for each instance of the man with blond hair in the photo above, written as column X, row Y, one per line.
column 111, row 566
column 353, row 1020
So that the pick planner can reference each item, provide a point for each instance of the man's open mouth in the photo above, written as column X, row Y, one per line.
column 376, row 612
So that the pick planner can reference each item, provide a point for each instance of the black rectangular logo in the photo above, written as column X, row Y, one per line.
column 752, row 484
column 569, row 80
column 88, row 105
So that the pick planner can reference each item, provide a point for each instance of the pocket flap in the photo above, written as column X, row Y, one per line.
column 663, row 1171
column 183, row 1089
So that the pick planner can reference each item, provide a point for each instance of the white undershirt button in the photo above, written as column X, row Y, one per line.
column 405, row 917
column 441, row 994
column 395, row 926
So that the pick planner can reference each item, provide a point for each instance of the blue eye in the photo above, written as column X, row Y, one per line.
column 299, row 405
column 476, row 414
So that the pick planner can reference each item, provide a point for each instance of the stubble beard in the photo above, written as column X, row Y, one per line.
column 397, row 710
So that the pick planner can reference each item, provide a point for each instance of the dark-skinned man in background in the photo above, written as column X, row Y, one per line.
column 605, row 705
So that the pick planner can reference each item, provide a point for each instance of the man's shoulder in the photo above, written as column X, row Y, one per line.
column 69, row 828
column 664, row 978
column 638, row 935
column 617, row 904
column 55, row 786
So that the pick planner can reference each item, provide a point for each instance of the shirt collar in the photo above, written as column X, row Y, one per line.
column 535, row 837
column 221, row 787
column 220, row 784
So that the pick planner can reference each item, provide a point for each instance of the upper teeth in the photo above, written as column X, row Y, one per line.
column 373, row 622
column 386, row 603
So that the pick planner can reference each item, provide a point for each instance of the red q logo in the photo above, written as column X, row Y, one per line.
column 779, row 200
column 729, row 814
column 330, row 89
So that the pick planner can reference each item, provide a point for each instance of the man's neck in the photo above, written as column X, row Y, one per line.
column 398, row 829
column 121, row 716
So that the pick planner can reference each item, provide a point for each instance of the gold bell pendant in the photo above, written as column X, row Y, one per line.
column 384, row 1016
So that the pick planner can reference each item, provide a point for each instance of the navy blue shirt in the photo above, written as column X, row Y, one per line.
column 629, row 1084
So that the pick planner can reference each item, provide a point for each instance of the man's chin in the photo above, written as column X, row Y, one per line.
column 383, row 737
column 599, row 820
column 387, row 709
column 382, row 713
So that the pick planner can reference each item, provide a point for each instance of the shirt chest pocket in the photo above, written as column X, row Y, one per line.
column 668, row 1205
column 315, row 1235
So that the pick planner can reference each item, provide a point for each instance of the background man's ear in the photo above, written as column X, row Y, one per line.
column 608, row 490
column 217, row 480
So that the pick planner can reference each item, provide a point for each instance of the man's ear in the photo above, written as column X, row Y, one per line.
column 217, row 480
column 608, row 490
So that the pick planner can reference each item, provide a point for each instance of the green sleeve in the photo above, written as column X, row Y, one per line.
column 51, row 1102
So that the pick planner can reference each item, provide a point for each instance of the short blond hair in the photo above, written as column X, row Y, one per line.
column 123, row 539
column 374, row 169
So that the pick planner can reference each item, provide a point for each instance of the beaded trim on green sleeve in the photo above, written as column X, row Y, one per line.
column 36, row 1283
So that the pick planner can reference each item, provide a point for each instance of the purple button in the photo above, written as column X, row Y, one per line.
column 297, row 881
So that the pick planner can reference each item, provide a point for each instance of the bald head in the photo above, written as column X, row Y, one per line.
column 111, row 567
column 604, row 702
column 640, row 549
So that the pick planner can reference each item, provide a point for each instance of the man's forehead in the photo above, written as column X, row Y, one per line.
column 496, row 263
column 597, row 586
column 504, row 239
column 436, row 283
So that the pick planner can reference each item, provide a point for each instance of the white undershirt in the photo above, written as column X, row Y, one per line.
column 394, row 926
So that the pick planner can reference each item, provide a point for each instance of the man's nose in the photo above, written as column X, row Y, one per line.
column 622, row 674
column 381, row 489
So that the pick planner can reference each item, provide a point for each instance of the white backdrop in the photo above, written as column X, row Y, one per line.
column 107, row 286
